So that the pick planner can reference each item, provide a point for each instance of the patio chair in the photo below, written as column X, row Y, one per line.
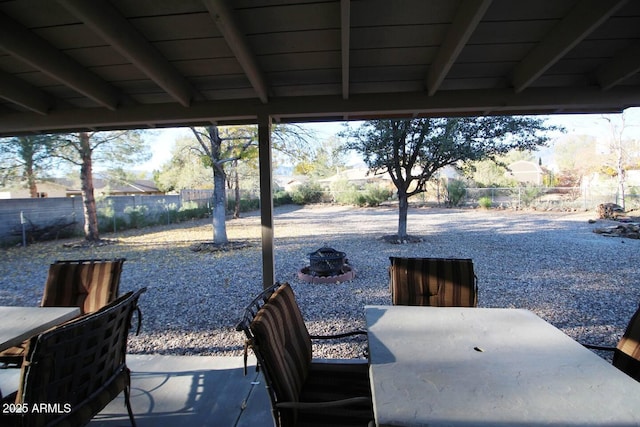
column 88, row 284
column 303, row 391
column 77, row 368
column 440, row 282
column 626, row 354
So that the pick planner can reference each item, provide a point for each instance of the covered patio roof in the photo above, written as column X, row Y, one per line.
column 70, row 65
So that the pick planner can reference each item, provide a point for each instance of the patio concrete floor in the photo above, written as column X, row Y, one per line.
column 170, row 391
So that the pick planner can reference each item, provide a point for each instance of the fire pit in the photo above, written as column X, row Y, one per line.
column 327, row 265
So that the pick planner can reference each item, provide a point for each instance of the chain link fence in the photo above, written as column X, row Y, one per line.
column 543, row 198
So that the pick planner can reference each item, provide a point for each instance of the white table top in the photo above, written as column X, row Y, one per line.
column 20, row 323
column 491, row 367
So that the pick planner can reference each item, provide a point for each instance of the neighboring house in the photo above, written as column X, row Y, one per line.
column 102, row 187
column 45, row 189
column 61, row 187
column 289, row 183
column 359, row 177
column 524, row 171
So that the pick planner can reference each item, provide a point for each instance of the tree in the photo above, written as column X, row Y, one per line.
column 495, row 172
column 620, row 155
column 217, row 155
column 322, row 162
column 221, row 150
column 110, row 148
column 185, row 170
column 26, row 157
column 412, row 151
column 576, row 157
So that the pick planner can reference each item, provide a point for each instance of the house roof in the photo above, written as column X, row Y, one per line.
column 104, row 64
column 525, row 166
column 356, row 174
column 138, row 186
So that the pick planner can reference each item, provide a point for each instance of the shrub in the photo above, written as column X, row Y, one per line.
column 344, row 193
column 529, row 194
column 456, row 192
column 191, row 210
column 246, row 205
column 137, row 216
column 485, row 202
column 307, row 193
column 281, row 198
column 375, row 194
column 109, row 223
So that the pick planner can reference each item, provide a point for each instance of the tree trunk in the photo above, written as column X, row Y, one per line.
column 236, row 184
column 403, row 208
column 219, row 206
column 219, row 188
column 621, row 175
column 88, row 199
column 31, row 179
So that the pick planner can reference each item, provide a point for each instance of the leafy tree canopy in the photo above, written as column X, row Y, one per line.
column 25, row 159
column 323, row 161
column 412, row 151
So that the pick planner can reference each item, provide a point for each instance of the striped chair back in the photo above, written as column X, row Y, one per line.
column 627, row 353
column 440, row 282
column 88, row 284
column 282, row 345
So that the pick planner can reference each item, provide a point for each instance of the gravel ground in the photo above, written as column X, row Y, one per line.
column 551, row 263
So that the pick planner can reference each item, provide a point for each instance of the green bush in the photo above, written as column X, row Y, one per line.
column 281, row 198
column 106, row 223
column 137, row 216
column 529, row 194
column 485, row 202
column 456, row 192
column 307, row 193
column 346, row 193
column 246, row 205
column 188, row 211
column 375, row 194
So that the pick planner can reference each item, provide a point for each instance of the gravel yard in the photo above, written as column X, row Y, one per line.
column 551, row 263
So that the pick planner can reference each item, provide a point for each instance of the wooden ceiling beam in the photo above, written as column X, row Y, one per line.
column 624, row 65
column 21, row 93
column 237, row 42
column 583, row 19
column 318, row 108
column 345, row 42
column 467, row 18
column 28, row 47
column 102, row 18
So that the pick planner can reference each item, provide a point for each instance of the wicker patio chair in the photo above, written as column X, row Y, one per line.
column 77, row 368
column 440, row 282
column 303, row 391
column 88, row 284
column 626, row 354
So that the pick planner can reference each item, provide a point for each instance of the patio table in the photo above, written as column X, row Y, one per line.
column 486, row 366
column 20, row 323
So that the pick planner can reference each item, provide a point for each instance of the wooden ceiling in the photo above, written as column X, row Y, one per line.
column 106, row 64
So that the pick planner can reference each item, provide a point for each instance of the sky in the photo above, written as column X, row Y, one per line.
column 580, row 124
